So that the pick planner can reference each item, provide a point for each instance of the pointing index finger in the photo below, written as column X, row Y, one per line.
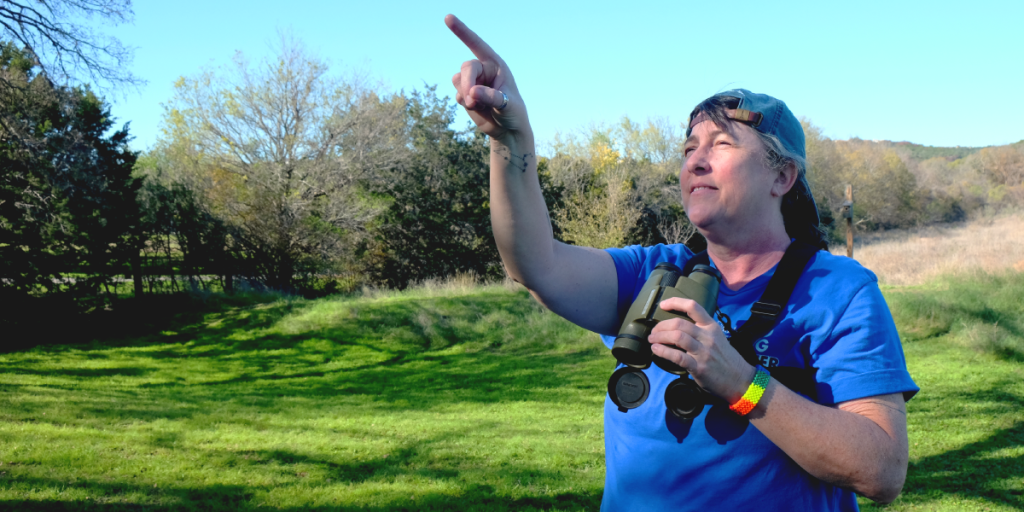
column 476, row 45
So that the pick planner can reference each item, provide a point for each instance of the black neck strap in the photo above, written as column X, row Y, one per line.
column 765, row 313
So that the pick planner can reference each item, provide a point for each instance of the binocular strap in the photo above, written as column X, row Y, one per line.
column 764, row 314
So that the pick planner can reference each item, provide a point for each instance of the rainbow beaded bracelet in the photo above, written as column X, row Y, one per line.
column 749, row 400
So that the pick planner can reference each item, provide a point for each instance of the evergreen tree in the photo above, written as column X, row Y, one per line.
column 438, row 221
column 69, row 221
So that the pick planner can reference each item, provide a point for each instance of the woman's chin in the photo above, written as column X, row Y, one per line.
column 701, row 221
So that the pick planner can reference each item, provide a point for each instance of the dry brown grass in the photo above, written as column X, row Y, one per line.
column 458, row 284
column 916, row 256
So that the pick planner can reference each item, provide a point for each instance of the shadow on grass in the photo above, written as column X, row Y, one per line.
column 61, row 325
column 406, row 382
column 986, row 469
column 87, row 373
column 283, row 363
column 330, row 482
column 375, row 356
column 972, row 471
column 985, row 311
column 384, row 355
column 476, row 498
column 409, row 459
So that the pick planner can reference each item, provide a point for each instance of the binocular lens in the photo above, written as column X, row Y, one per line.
column 632, row 351
column 628, row 388
column 684, row 398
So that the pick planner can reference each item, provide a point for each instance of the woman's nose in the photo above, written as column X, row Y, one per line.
column 696, row 161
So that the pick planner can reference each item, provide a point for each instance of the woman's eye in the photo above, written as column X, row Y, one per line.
column 687, row 151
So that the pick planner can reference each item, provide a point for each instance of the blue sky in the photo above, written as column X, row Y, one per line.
column 935, row 73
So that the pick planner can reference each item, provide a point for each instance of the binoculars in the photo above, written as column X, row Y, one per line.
column 628, row 387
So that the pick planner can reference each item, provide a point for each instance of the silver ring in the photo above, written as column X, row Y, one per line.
column 504, row 101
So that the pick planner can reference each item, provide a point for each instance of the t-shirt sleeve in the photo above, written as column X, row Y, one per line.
column 628, row 262
column 862, row 356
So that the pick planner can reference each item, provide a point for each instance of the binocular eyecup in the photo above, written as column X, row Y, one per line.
column 629, row 387
column 685, row 399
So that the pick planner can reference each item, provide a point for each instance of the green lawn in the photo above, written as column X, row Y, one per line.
column 474, row 399
column 964, row 341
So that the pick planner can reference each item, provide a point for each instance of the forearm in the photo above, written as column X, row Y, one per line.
column 865, row 451
column 519, row 216
column 577, row 283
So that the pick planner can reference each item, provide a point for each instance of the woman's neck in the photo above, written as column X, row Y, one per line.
column 742, row 261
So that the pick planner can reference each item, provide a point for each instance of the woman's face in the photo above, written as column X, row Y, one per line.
column 725, row 184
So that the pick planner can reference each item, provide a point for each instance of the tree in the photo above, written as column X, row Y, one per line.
column 68, row 51
column 620, row 185
column 601, row 204
column 281, row 151
column 67, row 197
column 438, row 219
column 885, row 191
column 1003, row 167
column 182, row 237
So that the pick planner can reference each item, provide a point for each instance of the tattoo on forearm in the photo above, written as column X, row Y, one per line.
column 515, row 160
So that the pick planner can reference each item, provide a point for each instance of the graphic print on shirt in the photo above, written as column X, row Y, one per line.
column 761, row 345
column 765, row 360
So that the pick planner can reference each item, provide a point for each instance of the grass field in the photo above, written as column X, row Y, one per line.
column 440, row 398
column 427, row 400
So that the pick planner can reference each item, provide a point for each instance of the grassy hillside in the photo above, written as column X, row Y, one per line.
column 471, row 398
column 429, row 400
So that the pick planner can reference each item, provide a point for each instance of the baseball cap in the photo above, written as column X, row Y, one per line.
column 771, row 116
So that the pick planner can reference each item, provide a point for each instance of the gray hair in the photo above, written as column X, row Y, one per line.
column 776, row 158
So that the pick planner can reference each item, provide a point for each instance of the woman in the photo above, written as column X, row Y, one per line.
column 743, row 187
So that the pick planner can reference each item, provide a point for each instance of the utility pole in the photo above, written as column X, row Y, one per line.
column 848, row 213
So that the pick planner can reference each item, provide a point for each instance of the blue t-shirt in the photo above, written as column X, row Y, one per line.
column 836, row 321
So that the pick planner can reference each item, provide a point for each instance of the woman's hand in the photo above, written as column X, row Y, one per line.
column 702, row 349
column 479, row 86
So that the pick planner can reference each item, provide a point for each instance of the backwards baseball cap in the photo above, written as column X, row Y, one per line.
column 770, row 116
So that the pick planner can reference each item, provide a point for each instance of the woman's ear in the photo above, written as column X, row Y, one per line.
column 785, row 179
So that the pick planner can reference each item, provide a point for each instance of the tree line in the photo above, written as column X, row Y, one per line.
column 281, row 175
column 902, row 185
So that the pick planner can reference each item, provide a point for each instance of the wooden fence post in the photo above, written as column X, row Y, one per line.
column 848, row 213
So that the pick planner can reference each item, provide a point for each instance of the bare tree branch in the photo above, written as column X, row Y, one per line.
column 68, row 49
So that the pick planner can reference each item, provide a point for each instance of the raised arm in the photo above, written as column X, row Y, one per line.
column 578, row 283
